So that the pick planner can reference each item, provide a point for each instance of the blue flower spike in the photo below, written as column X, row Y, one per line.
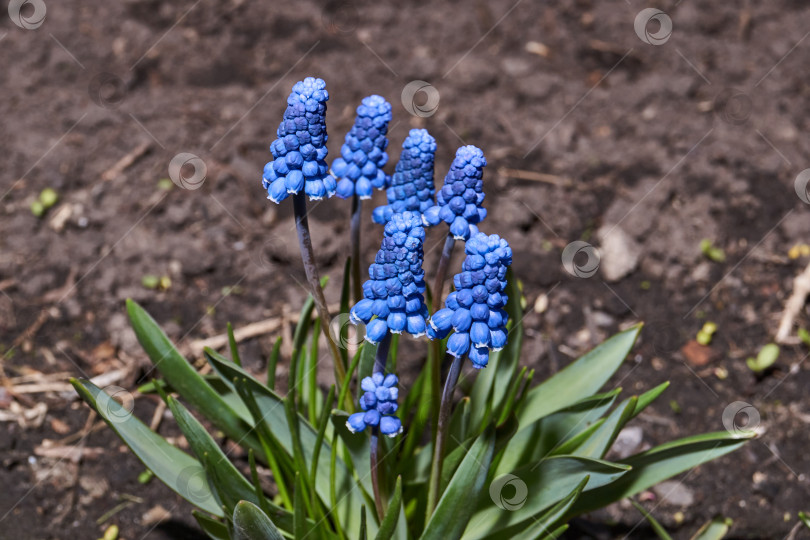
column 475, row 310
column 299, row 152
column 412, row 182
column 393, row 298
column 460, row 198
column 359, row 168
column 379, row 403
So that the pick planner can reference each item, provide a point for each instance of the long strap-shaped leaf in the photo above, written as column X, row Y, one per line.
column 185, row 379
column 250, row 523
column 454, row 509
column 658, row 464
column 349, row 492
column 178, row 470
column 537, row 487
column 583, row 377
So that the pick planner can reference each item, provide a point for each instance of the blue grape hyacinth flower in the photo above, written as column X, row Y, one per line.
column 475, row 310
column 412, row 182
column 299, row 152
column 379, row 403
column 359, row 168
column 393, row 298
column 460, row 198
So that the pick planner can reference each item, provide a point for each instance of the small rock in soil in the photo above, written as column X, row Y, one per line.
column 619, row 253
column 627, row 442
column 698, row 355
column 675, row 493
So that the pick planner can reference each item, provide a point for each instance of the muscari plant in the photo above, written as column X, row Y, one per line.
column 346, row 468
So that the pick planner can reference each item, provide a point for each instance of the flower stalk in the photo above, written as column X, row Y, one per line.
column 441, row 434
column 357, row 212
column 314, row 280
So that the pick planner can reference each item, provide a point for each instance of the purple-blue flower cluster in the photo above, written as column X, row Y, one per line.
column 379, row 403
column 363, row 156
column 475, row 310
column 393, row 298
column 299, row 152
column 412, row 182
column 459, row 200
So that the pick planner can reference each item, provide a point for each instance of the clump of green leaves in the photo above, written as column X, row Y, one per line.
column 547, row 441
column 705, row 334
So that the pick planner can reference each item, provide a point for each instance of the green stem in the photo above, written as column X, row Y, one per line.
column 357, row 211
column 441, row 437
column 441, row 271
column 311, row 270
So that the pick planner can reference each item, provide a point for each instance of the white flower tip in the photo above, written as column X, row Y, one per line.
column 350, row 428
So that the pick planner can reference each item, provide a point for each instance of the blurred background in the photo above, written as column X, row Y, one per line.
column 665, row 138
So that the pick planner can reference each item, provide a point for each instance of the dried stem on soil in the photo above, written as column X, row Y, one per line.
column 801, row 288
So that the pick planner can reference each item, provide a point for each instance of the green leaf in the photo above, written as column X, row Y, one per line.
column 549, row 435
column 599, row 443
column 229, row 485
column 232, row 345
column 804, row 517
column 715, row 529
column 582, row 377
column 648, row 397
column 250, row 523
column 765, row 358
column 389, row 522
column 300, row 509
column 356, row 444
column 454, row 509
column 656, row 526
column 367, row 354
column 660, row 463
column 185, row 380
column 216, row 530
column 271, row 407
column 178, row 470
column 542, row 525
column 537, row 486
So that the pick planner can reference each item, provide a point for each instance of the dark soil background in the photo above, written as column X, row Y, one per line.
column 642, row 150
